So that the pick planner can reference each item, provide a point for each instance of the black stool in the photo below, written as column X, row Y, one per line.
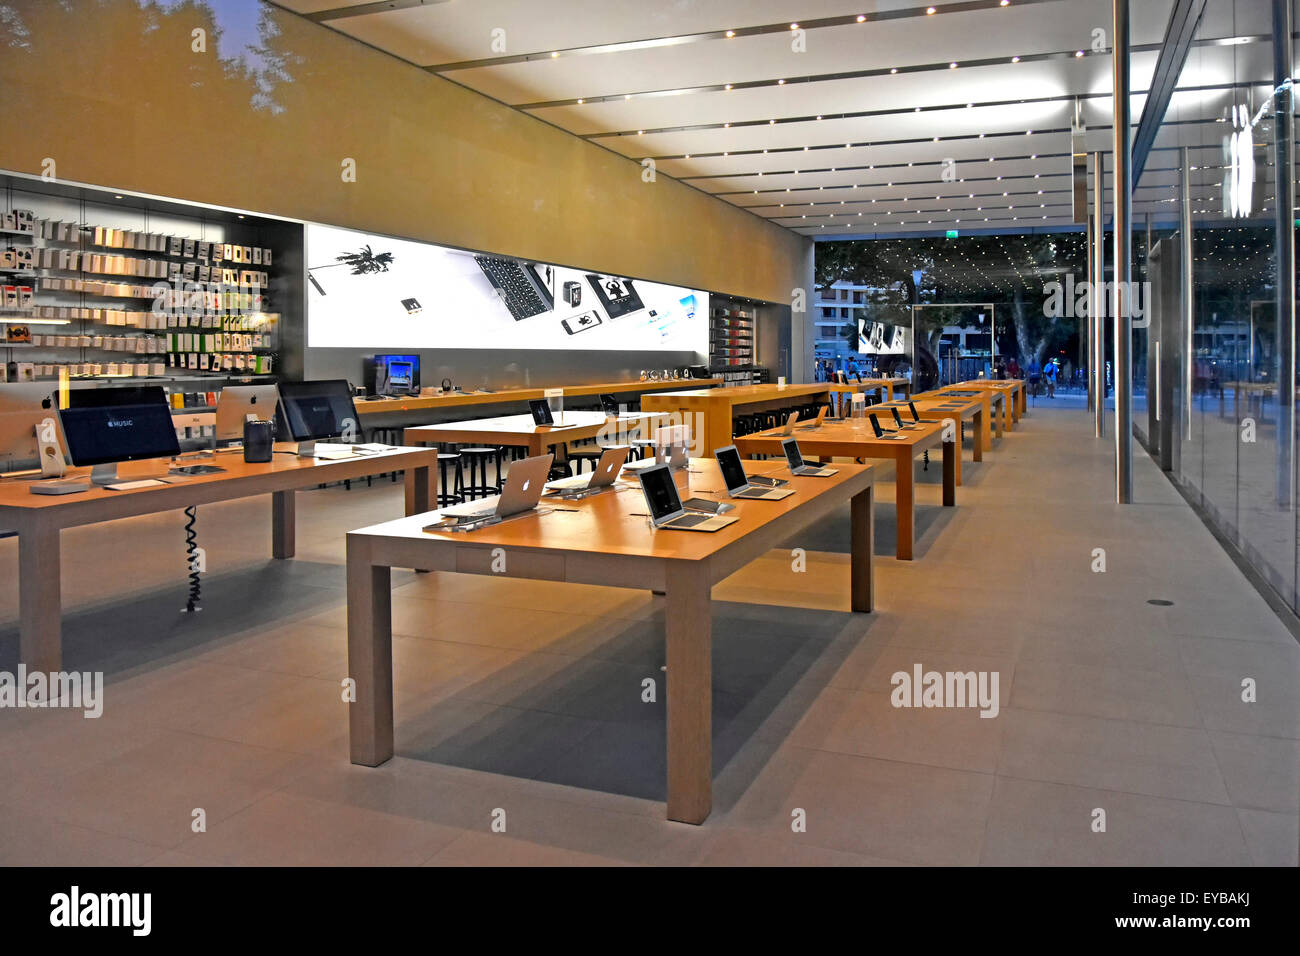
column 476, row 460
column 457, row 494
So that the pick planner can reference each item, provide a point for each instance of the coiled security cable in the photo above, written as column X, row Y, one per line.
column 192, row 559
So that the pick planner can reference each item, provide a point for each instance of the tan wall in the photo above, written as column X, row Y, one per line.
column 116, row 103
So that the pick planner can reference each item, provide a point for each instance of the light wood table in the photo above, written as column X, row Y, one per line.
column 389, row 407
column 709, row 412
column 40, row 519
column 886, row 388
column 854, row 438
column 953, row 409
column 1012, row 388
column 519, row 431
column 993, row 402
column 607, row 540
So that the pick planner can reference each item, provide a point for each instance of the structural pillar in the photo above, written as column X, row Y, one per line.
column 1122, row 307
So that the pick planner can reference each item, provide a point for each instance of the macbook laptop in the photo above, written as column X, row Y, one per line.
column 788, row 427
column 738, row 485
column 607, row 469
column 880, row 432
column 609, row 405
column 665, row 505
column 898, row 419
column 817, row 422
column 917, row 418
column 523, row 489
column 794, row 458
column 541, row 410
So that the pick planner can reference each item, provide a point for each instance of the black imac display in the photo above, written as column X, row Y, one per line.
column 318, row 410
column 103, row 426
column 395, row 375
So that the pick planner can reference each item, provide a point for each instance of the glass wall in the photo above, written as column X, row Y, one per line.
column 1234, row 420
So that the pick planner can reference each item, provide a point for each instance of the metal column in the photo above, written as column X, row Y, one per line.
column 1098, row 296
column 1123, row 269
column 1188, row 302
column 1090, row 359
column 1284, row 166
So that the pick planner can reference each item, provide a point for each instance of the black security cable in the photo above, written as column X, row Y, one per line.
column 191, row 553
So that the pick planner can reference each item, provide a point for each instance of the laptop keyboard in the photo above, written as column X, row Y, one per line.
column 689, row 521
column 508, row 277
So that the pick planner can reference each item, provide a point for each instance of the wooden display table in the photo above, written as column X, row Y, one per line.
column 709, row 412
column 854, row 438
column 370, row 408
column 606, row 540
column 39, row 520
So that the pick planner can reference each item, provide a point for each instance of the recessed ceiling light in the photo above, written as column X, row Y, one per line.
column 730, row 34
column 627, row 96
column 893, row 69
column 770, row 123
column 952, row 66
column 929, row 11
column 1015, row 59
column 861, row 18
column 1077, row 53
column 554, row 54
column 780, row 82
column 794, row 26
column 727, row 87
column 640, row 132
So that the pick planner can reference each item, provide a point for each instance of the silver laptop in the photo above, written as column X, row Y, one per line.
column 817, row 423
column 794, row 458
column 788, row 427
column 237, row 402
column 737, row 482
column 665, row 504
column 607, row 469
column 523, row 489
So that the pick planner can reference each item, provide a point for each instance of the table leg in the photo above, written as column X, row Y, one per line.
column 951, row 462
column 997, row 418
column 370, row 658
column 284, row 506
column 959, row 429
column 689, row 633
column 862, row 536
column 977, row 436
column 421, row 485
column 40, row 624
column 903, row 478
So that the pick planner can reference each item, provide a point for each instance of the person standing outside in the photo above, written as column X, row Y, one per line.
column 1049, row 372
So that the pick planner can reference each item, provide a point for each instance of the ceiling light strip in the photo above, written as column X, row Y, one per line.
column 767, row 29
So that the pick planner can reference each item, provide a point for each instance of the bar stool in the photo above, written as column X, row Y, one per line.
column 476, row 460
column 457, row 494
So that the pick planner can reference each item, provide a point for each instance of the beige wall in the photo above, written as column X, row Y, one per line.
column 120, row 102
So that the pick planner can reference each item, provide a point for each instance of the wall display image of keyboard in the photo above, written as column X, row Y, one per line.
column 466, row 300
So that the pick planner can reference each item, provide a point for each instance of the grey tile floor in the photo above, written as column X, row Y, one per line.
column 523, row 697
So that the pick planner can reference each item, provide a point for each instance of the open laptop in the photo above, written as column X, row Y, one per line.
column 738, row 485
column 523, row 489
column 898, row 419
column 788, row 427
column 880, row 432
column 817, row 422
column 794, row 458
column 916, row 417
column 607, row 469
column 541, row 410
column 665, row 505
column 609, row 405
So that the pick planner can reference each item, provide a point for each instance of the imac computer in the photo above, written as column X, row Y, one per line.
column 319, row 410
column 26, row 408
column 395, row 375
column 104, row 426
column 237, row 402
